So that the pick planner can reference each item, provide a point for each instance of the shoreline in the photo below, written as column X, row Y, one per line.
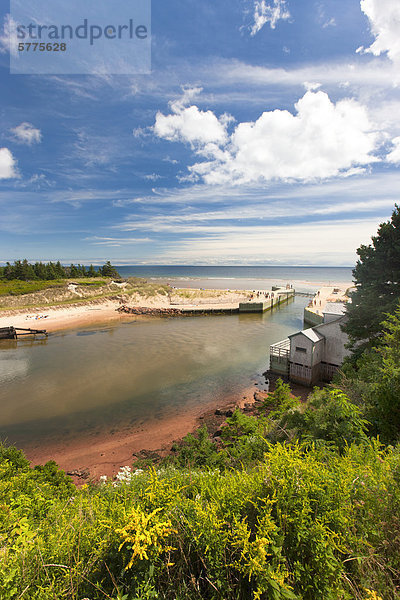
column 95, row 453
column 102, row 311
column 104, row 453
column 105, row 310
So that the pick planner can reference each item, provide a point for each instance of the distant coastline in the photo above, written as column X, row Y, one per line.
column 102, row 450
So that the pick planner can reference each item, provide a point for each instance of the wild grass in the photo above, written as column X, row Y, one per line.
column 302, row 524
column 18, row 288
column 26, row 295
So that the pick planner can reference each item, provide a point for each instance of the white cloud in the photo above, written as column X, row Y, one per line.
column 384, row 17
column 373, row 73
column 173, row 161
column 323, row 19
column 320, row 140
column 241, row 219
column 115, row 241
column 152, row 177
column 25, row 133
column 268, row 13
column 191, row 125
column 8, row 37
column 394, row 155
column 8, row 164
column 314, row 243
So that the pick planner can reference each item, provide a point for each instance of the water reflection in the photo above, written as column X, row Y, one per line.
column 90, row 378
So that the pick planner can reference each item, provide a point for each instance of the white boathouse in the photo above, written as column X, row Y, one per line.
column 314, row 354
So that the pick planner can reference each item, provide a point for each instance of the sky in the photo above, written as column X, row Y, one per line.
column 266, row 133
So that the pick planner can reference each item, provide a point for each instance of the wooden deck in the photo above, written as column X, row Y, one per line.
column 13, row 333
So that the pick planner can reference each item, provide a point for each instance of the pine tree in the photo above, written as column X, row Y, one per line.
column 60, row 271
column 92, row 272
column 73, row 271
column 108, row 270
column 51, row 272
column 8, row 271
column 377, row 281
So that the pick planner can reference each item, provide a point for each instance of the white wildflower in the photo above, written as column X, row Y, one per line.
column 125, row 475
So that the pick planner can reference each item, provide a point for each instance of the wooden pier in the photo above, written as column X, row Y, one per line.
column 254, row 305
column 13, row 333
column 271, row 300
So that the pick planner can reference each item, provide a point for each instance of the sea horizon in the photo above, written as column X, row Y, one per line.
column 243, row 277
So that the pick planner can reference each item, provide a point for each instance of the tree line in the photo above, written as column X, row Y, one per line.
column 298, row 501
column 23, row 270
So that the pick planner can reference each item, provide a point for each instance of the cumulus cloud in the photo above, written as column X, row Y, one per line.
column 384, row 17
column 189, row 124
column 25, row 133
column 8, row 164
column 394, row 155
column 268, row 13
column 320, row 140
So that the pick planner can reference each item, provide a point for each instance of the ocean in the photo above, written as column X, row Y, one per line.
column 245, row 277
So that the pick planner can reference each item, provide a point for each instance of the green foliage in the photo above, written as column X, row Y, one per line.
column 373, row 382
column 377, row 277
column 303, row 524
column 108, row 270
column 237, row 426
column 25, row 271
column 330, row 416
column 16, row 287
column 195, row 451
column 383, row 404
column 280, row 401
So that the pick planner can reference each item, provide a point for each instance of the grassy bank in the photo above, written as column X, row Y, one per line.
column 18, row 294
column 301, row 524
column 26, row 295
column 294, row 503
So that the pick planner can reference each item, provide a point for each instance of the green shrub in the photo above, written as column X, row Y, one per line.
column 300, row 524
column 331, row 417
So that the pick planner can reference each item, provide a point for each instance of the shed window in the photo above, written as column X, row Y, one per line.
column 299, row 349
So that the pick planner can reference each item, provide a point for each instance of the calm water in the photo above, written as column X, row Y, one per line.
column 89, row 379
column 241, row 278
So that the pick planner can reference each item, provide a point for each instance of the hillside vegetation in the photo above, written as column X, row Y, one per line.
column 300, row 501
column 16, row 294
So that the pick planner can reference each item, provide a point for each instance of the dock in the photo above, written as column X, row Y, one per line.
column 325, row 298
column 13, row 333
column 259, row 302
column 264, row 301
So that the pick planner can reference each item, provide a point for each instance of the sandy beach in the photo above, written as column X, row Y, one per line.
column 99, row 312
column 104, row 451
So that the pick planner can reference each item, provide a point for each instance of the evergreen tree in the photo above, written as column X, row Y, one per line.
column 28, row 272
column 92, row 272
column 60, row 271
column 377, row 281
column 73, row 271
column 108, row 270
column 384, row 401
column 51, row 272
column 8, row 271
column 40, row 270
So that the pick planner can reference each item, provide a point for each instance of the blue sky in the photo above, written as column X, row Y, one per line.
column 268, row 132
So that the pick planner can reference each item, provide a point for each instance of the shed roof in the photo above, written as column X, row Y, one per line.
column 334, row 308
column 311, row 334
